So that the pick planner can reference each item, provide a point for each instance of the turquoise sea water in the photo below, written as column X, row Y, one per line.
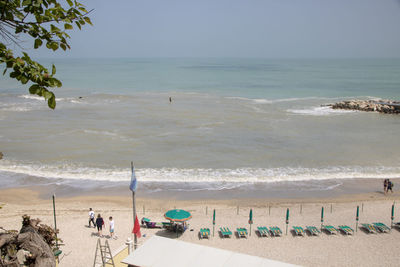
column 231, row 122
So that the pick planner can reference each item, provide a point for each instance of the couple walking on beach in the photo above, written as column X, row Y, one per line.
column 99, row 223
column 387, row 185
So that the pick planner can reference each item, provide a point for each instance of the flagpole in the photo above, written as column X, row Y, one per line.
column 134, row 213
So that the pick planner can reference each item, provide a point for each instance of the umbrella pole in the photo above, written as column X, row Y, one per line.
column 55, row 221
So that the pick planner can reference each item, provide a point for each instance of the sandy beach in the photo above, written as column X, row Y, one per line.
column 362, row 249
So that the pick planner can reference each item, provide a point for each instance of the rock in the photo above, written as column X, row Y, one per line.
column 383, row 106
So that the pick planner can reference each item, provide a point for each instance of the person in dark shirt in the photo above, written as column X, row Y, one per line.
column 99, row 224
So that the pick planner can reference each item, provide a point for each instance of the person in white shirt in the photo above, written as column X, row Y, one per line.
column 91, row 218
column 111, row 227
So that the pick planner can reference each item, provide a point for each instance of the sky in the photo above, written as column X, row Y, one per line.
column 237, row 28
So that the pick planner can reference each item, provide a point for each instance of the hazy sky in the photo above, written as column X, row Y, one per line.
column 238, row 28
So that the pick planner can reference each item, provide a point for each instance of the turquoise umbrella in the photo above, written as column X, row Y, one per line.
column 392, row 215
column 251, row 219
column 322, row 217
column 213, row 222
column 177, row 215
column 357, row 217
column 287, row 219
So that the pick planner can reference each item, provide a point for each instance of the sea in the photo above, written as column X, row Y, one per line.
column 232, row 125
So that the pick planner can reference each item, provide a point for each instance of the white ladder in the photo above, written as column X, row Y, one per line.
column 105, row 255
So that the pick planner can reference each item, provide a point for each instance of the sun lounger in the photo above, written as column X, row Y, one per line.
column 150, row 224
column 383, row 228
column 275, row 231
column 225, row 232
column 313, row 230
column 346, row 229
column 263, row 231
column 144, row 220
column 332, row 230
column 204, row 233
column 242, row 232
column 369, row 227
column 298, row 230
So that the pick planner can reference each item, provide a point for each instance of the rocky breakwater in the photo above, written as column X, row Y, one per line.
column 382, row 106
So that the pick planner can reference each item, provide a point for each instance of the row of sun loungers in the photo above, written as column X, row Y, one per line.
column 375, row 228
column 263, row 231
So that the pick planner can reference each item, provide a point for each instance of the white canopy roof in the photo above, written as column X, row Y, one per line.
column 164, row 252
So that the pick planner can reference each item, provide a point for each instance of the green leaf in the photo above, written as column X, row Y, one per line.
column 38, row 43
column 53, row 70
column 24, row 79
column 87, row 19
column 47, row 95
column 77, row 24
column 68, row 26
column 4, row 72
column 54, row 46
column 52, row 102
column 63, row 46
column 70, row 3
column 34, row 89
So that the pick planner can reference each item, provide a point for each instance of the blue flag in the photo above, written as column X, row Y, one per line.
column 133, row 184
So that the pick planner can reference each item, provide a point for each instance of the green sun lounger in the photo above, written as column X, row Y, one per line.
column 332, row 230
column 242, row 232
column 383, row 228
column 346, row 229
column 370, row 228
column 298, row 230
column 263, row 231
column 225, row 232
column 313, row 230
column 275, row 231
column 204, row 233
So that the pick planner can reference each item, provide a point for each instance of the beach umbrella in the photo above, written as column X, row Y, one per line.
column 177, row 215
column 392, row 215
column 357, row 217
column 213, row 221
column 251, row 219
column 287, row 219
column 322, row 217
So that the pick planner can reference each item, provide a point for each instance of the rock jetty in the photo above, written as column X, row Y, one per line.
column 382, row 106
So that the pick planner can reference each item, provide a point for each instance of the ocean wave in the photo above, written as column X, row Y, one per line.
column 320, row 111
column 179, row 175
column 33, row 97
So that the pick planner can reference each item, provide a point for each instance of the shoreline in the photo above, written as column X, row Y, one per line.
column 351, row 190
column 356, row 188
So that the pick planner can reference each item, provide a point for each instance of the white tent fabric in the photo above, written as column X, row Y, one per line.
column 164, row 252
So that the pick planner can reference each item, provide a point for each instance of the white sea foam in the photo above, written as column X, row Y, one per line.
column 100, row 132
column 33, row 97
column 225, row 176
column 320, row 111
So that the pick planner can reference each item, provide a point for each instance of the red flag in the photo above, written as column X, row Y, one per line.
column 136, row 228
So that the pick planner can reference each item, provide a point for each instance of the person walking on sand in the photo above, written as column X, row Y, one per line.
column 91, row 218
column 385, row 186
column 389, row 186
column 111, row 227
column 99, row 224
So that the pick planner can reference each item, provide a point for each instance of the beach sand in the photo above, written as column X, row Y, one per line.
column 362, row 249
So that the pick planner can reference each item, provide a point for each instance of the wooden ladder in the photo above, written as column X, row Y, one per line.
column 105, row 255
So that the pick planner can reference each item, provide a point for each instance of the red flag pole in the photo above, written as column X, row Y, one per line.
column 134, row 215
